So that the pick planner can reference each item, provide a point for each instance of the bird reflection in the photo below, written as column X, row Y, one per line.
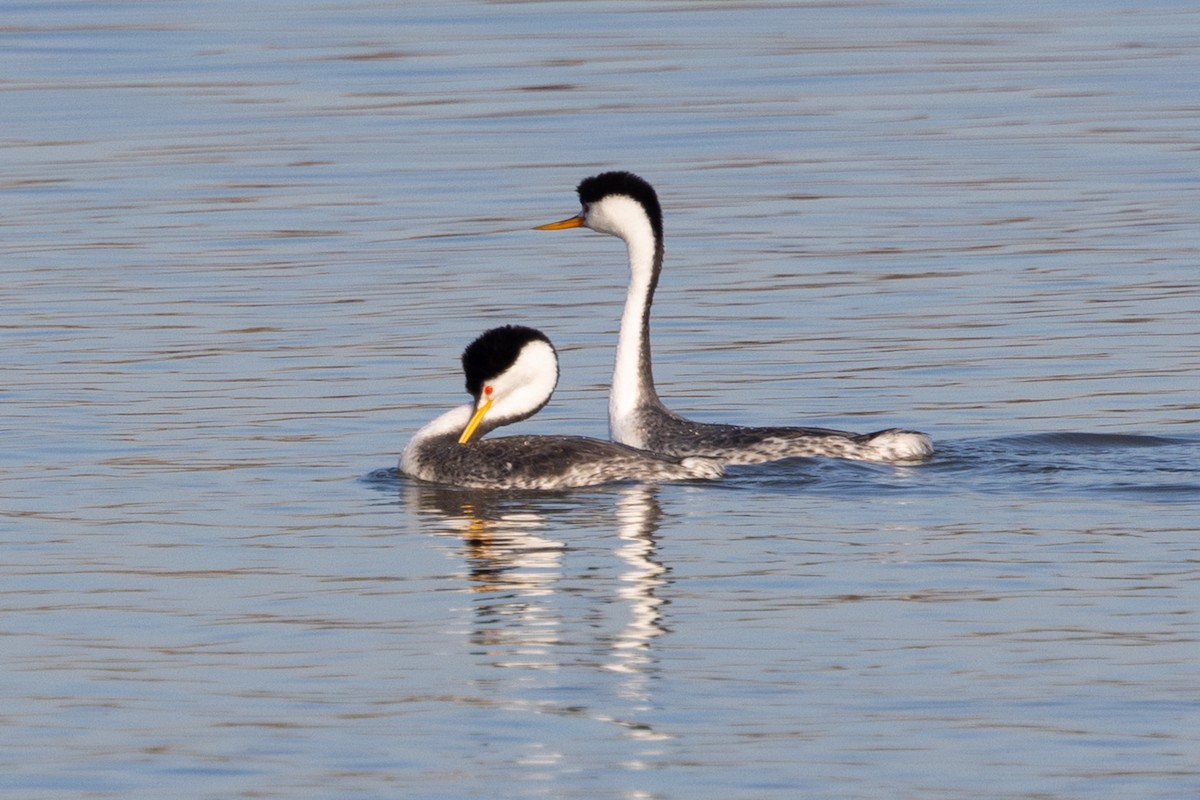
column 510, row 566
column 517, row 573
column 638, row 515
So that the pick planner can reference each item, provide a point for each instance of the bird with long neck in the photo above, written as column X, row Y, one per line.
column 511, row 373
column 626, row 206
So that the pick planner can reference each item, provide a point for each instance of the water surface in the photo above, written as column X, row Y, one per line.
column 243, row 245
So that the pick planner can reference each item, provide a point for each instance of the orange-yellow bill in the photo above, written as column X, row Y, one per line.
column 476, row 418
column 570, row 222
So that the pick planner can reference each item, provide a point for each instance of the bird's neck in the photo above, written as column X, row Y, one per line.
column 448, row 426
column 633, row 378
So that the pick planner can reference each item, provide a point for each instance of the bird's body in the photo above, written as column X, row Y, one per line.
column 511, row 372
column 670, row 434
column 626, row 206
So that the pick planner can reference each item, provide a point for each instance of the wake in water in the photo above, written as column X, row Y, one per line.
column 1155, row 468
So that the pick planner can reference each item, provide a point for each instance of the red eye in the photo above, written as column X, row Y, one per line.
column 487, row 390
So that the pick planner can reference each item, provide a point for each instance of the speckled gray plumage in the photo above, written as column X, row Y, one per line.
column 670, row 434
column 547, row 462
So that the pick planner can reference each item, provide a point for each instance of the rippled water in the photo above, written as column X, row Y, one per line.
column 243, row 244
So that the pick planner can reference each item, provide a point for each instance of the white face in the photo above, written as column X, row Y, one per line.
column 526, row 385
column 619, row 215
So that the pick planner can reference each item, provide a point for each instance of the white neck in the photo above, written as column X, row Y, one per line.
column 633, row 379
column 449, row 424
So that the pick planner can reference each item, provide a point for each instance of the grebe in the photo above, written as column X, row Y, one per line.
column 511, row 372
column 624, row 205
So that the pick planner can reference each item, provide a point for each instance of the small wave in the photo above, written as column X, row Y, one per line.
column 1187, row 493
column 1082, row 440
column 386, row 477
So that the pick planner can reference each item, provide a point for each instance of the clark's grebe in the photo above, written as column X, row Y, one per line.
column 624, row 205
column 511, row 372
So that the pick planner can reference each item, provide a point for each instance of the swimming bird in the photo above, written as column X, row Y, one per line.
column 511, row 372
column 624, row 205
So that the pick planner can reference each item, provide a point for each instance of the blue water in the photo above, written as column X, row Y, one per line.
column 241, row 248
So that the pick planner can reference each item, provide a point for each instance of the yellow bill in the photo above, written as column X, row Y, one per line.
column 476, row 418
column 570, row 222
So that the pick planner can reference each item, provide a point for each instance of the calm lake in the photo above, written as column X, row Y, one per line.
column 242, row 246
